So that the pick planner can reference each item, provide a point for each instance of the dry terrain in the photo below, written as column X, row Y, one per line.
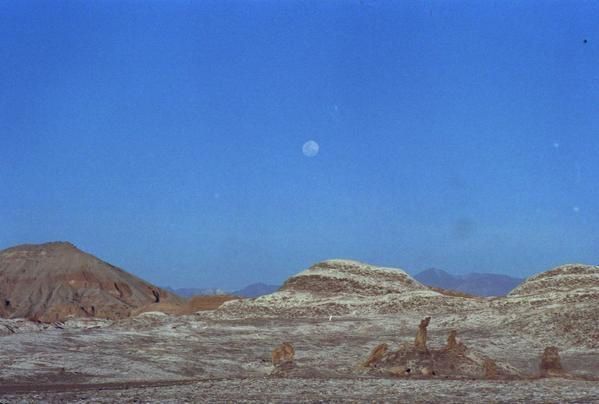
column 197, row 358
column 54, row 281
column 334, row 315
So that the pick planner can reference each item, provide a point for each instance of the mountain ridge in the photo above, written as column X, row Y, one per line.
column 474, row 283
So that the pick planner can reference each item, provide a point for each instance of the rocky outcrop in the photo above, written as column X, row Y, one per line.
column 490, row 369
column 282, row 360
column 551, row 365
column 54, row 281
column 283, row 354
column 452, row 361
column 453, row 344
column 420, row 342
column 376, row 355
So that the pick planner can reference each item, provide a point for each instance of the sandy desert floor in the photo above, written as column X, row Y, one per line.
column 325, row 390
column 158, row 358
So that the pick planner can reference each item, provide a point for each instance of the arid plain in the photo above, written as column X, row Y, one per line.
column 353, row 328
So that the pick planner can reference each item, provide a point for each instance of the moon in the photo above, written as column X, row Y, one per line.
column 310, row 148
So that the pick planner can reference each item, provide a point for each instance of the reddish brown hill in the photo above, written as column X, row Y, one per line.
column 52, row 281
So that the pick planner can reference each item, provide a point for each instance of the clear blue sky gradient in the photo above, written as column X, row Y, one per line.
column 166, row 136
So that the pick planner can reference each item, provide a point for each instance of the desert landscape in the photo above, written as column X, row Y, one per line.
column 338, row 331
column 363, row 201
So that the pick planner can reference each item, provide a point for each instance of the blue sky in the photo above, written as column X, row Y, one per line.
column 166, row 136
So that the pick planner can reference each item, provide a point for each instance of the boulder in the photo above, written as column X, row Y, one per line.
column 420, row 342
column 453, row 344
column 490, row 369
column 283, row 354
column 376, row 355
column 550, row 363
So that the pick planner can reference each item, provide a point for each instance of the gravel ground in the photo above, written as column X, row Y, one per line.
column 334, row 390
column 157, row 358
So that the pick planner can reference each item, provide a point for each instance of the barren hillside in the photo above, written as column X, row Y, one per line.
column 339, row 287
column 559, row 304
column 52, row 281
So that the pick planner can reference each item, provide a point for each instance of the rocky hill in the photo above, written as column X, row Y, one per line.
column 571, row 278
column 561, row 302
column 335, row 277
column 337, row 287
column 53, row 281
column 554, row 307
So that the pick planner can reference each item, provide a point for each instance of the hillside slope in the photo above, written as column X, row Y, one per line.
column 560, row 304
column 52, row 281
column 337, row 287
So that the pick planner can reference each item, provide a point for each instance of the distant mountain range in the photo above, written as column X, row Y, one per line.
column 479, row 284
column 253, row 290
column 256, row 290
